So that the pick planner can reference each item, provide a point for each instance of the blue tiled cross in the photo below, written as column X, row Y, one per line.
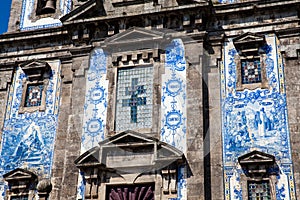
column 134, row 100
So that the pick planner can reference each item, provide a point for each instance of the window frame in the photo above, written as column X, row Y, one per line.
column 251, row 86
column 259, row 181
column 144, row 65
column 23, row 108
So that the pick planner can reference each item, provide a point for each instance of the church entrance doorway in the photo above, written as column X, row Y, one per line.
column 130, row 192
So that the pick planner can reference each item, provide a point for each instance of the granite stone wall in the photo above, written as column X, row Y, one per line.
column 292, row 91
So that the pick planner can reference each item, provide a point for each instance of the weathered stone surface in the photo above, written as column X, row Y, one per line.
column 292, row 76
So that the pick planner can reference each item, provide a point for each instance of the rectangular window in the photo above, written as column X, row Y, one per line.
column 23, row 197
column 34, row 95
column 134, row 98
column 259, row 190
column 251, row 71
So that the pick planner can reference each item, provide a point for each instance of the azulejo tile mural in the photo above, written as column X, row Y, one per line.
column 255, row 120
column 28, row 8
column 28, row 139
column 173, row 105
column 95, row 107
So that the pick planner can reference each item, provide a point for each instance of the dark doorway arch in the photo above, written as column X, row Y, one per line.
column 130, row 192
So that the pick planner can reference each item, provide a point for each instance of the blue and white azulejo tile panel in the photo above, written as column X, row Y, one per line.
column 173, row 105
column 255, row 119
column 95, row 107
column 28, row 8
column 28, row 138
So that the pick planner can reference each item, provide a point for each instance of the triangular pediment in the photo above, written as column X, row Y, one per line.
column 256, row 157
column 248, row 37
column 35, row 69
column 135, row 35
column 34, row 64
column 248, row 44
column 127, row 137
column 19, row 174
column 128, row 150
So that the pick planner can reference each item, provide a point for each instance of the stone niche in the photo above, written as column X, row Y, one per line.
column 130, row 164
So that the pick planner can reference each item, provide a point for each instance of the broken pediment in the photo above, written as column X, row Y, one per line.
column 256, row 157
column 130, row 151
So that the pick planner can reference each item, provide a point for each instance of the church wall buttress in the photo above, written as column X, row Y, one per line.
column 292, row 80
column 28, row 138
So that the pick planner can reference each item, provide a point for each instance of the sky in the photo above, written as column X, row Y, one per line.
column 4, row 15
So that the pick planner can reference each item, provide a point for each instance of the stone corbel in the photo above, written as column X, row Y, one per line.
column 165, row 177
column 169, row 181
column 136, row 58
column 173, row 181
column 92, row 184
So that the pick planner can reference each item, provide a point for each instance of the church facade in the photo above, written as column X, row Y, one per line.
column 150, row 99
